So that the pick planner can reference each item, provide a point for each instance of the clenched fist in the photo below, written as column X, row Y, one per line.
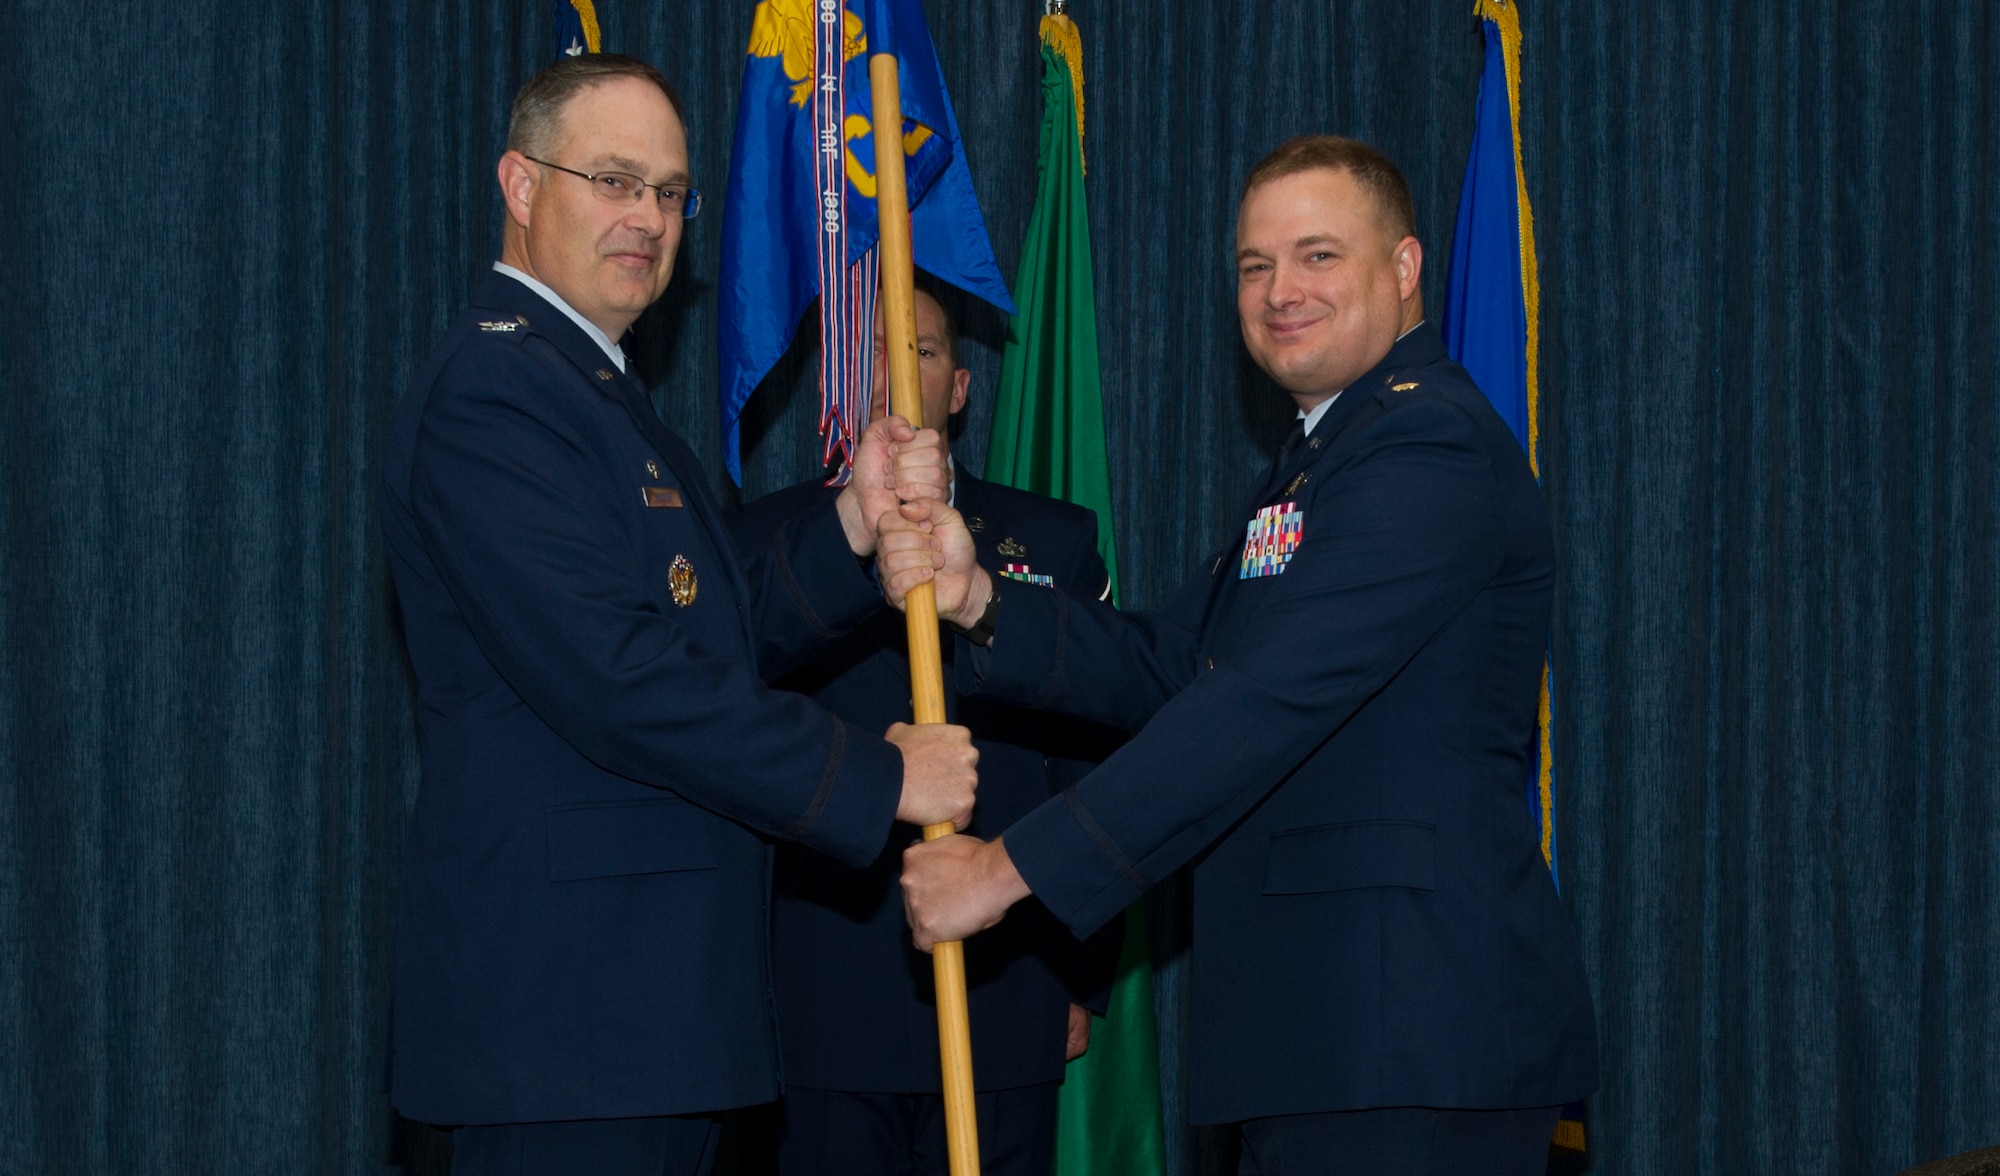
column 893, row 462
column 956, row 887
column 926, row 541
column 938, row 773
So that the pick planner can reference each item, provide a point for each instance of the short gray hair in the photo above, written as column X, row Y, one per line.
column 536, row 123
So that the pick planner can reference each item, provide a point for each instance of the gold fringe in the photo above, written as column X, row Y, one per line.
column 1507, row 18
column 1060, row 33
column 593, row 41
column 1569, row 1135
column 1546, row 774
column 1506, row 15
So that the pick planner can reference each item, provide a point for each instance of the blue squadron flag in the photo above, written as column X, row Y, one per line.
column 1491, row 327
column 576, row 28
column 1492, row 292
column 798, row 218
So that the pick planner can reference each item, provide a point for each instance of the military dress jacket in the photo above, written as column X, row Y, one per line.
column 856, row 1000
column 583, row 926
column 1332, row 723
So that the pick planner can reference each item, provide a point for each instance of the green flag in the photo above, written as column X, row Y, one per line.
column 1048, row 436
column 1048, row 415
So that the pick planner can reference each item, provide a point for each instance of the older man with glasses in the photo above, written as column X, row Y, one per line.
column 582, row 972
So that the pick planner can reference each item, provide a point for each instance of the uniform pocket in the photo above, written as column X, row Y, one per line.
column 610, row 838
column 1352, row 856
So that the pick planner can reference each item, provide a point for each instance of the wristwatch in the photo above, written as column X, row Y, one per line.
column 980, row 632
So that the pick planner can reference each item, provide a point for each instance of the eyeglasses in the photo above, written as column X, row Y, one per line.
column 626, row 188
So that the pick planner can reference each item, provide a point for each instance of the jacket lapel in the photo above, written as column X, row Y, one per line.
column 969, row 498
column 511, row 299
column 1360, row 401
column 687, row 470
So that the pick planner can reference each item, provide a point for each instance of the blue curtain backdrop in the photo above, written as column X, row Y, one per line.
column 229, row 231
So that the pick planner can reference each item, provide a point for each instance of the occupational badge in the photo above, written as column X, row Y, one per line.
column 1021, row 572
column 1011, row 549
column 1292, row 487
column 1273, row 535
column 681, row 581
column 975, row 523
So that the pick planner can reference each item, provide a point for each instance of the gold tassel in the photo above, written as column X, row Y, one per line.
column 1060, row 33
column 593, row 41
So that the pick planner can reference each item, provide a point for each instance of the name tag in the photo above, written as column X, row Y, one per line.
column 662, row 496
column 1272, row 537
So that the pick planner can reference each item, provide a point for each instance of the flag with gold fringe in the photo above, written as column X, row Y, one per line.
column 798, row 216
column 1491, row 326
column 1048, row 436
column 576, row 28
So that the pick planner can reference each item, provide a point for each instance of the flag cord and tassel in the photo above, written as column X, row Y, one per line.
column 892, row 211
column 1059, row 33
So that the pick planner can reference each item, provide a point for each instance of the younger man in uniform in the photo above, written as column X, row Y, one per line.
column 1332, row 722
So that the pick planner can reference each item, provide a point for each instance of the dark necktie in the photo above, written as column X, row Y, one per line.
column 1287, row 453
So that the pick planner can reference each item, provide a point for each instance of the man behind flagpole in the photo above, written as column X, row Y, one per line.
column 799, row 224
column 1048, row 436
column 582, row 952
column 857, row 1014
column 1331, row 722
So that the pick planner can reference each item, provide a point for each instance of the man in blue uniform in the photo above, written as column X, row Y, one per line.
column 582, row 963
column 1332, row 724
column 856, row 1006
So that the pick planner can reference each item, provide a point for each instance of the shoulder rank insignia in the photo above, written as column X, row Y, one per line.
column 1012, row 549
column 603, row 373
column 1298, row 480
column 681, row 581
column 1411, row 386
column 1021, row 572
column 500, row 325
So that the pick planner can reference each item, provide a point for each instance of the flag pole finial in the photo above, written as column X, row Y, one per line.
column 1055, row 7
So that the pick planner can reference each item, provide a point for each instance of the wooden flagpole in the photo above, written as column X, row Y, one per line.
column 899, row 316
